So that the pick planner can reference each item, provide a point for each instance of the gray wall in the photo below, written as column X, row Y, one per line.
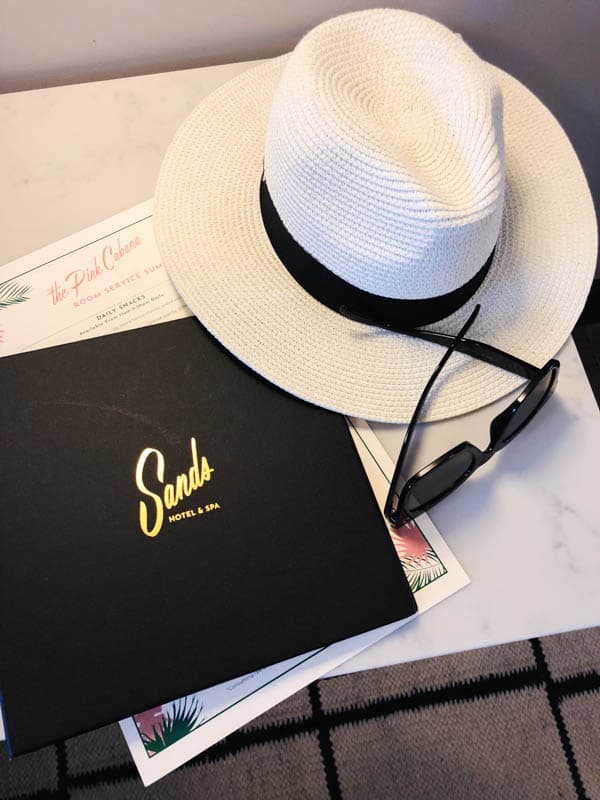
column 553, row 46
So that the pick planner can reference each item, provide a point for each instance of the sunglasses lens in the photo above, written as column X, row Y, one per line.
column 530, row 405
column 438, row 482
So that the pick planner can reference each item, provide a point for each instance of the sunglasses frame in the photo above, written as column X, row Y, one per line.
column 395, row 509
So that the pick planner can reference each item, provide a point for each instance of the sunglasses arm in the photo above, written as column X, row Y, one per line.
column 483, row 352
column 470, row 347
column 391, row 504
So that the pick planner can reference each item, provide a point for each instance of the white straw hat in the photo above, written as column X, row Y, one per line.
column 396, row 162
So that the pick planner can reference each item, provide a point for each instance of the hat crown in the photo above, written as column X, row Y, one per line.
column 384, row 153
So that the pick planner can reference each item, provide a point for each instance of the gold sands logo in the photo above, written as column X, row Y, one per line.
column 151, row 468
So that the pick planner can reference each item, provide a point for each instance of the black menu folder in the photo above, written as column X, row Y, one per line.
column 170, row 521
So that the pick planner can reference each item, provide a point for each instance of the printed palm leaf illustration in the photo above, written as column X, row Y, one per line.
column 419, row 560
column 11, row 293
column 173, row 726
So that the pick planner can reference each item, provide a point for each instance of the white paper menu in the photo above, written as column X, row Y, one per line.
column 108, row 278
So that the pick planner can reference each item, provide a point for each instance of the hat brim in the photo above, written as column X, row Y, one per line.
column 214, row 246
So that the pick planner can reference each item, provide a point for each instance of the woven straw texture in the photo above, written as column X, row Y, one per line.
column 378, row 167
column 213, row 242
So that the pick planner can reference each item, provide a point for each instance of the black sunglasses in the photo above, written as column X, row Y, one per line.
column 407, row 499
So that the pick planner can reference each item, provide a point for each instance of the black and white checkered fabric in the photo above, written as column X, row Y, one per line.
column 520, row 720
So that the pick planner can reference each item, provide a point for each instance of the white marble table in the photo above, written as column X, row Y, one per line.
column 525, row 527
